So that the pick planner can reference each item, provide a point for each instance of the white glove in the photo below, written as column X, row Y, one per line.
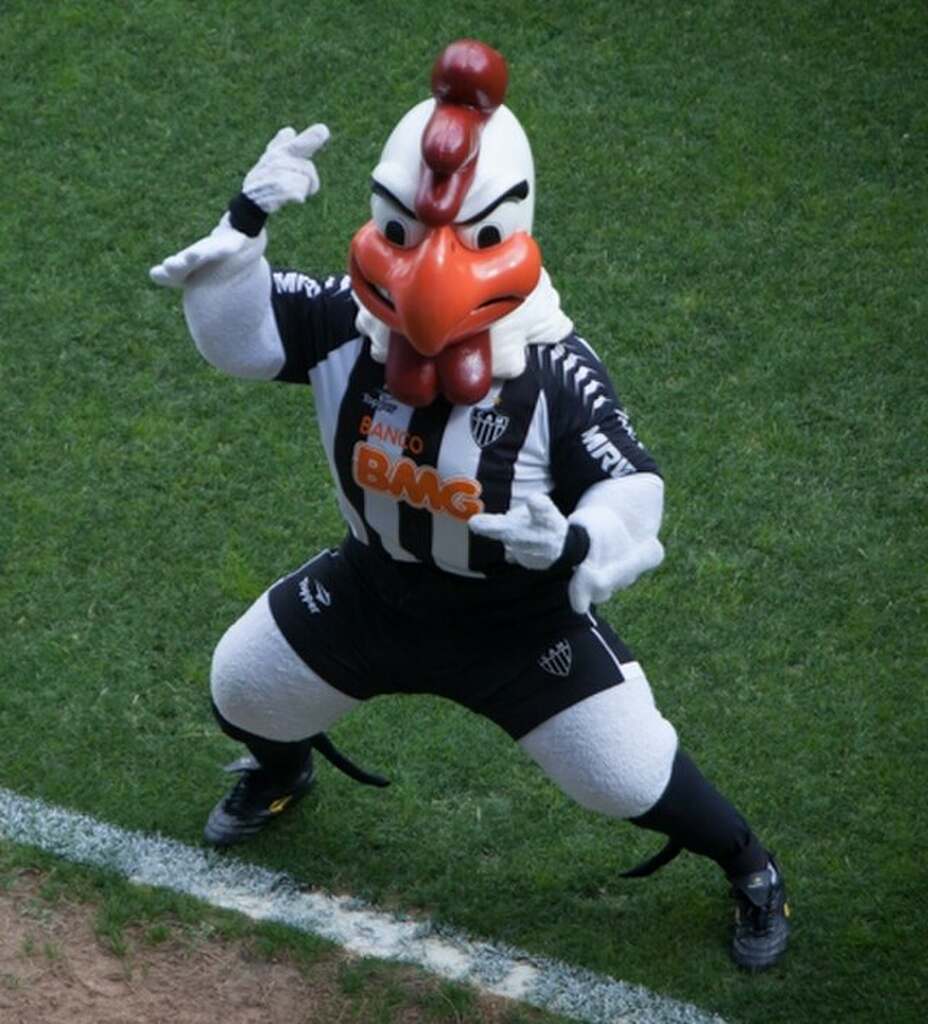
column 615, row 559
column 222, row 243
column 621, row 518
column 532, row 534
column 285, row 173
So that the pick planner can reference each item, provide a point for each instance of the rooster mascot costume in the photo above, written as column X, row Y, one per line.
column 493, row 488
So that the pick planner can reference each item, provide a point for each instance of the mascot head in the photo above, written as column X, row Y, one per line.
column 448, row 252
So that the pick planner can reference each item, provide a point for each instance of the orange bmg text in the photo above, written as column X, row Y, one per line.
column 419, row 486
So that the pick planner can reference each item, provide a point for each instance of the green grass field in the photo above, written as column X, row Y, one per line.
column 732, row 203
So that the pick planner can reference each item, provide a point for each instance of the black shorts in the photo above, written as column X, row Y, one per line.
column 511, row 649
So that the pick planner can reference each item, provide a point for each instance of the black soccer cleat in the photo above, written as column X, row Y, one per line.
column 253, row 802
column 761, row 931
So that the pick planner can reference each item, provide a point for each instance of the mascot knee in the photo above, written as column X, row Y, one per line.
column 612, row 753
column 260, row 684
column 251, row 674
column 231, row 682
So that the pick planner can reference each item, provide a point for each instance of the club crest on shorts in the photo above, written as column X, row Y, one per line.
column 556, row 660
column 487, row 426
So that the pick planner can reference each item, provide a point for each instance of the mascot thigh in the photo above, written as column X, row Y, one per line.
column 612, row 753
column 262, row 687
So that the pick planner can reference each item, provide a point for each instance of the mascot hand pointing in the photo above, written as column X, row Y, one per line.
column 532, row 535
column 284, row 174
column 607, row 558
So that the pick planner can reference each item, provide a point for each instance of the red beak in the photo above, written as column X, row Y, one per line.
column 441, row 292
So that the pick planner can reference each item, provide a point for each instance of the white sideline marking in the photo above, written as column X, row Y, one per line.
column 264, row 895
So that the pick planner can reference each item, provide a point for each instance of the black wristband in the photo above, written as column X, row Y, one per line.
column 576, row 547
column 246, row 216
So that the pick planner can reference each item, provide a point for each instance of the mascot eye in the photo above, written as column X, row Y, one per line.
column 496, row 227
column 395, row 232
column 396, row 225
column 488, row 235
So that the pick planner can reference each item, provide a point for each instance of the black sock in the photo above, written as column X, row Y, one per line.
column 282, row 761
column 694, row 814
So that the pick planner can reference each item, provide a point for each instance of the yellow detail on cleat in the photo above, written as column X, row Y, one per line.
column 278, row 805
column 786, row 911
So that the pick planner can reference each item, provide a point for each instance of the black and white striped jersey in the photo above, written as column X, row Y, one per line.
column 408, row 479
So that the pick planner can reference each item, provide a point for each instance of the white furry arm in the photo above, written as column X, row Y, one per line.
column 622, row 518
column 227, row 300
column 227, row 304
column 224, row 276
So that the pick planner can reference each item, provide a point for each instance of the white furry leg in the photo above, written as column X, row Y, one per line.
column 612, row 752
column 261, row 685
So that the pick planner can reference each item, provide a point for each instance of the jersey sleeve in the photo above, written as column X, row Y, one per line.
column 591, row 436
column 314, row 316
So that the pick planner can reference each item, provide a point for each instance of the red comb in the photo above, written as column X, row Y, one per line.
column 468, row 82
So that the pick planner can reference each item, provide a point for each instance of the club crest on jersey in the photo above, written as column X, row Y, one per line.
column 556, row 661
column 487, row 426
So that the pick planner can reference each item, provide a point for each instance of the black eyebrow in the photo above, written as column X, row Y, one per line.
column 519, row 191
column 381, row 190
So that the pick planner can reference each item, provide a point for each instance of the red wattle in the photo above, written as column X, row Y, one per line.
column 411, row 377
column 465, row 370
column 462, row 372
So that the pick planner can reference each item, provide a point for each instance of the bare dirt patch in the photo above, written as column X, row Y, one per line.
column 54, row 969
